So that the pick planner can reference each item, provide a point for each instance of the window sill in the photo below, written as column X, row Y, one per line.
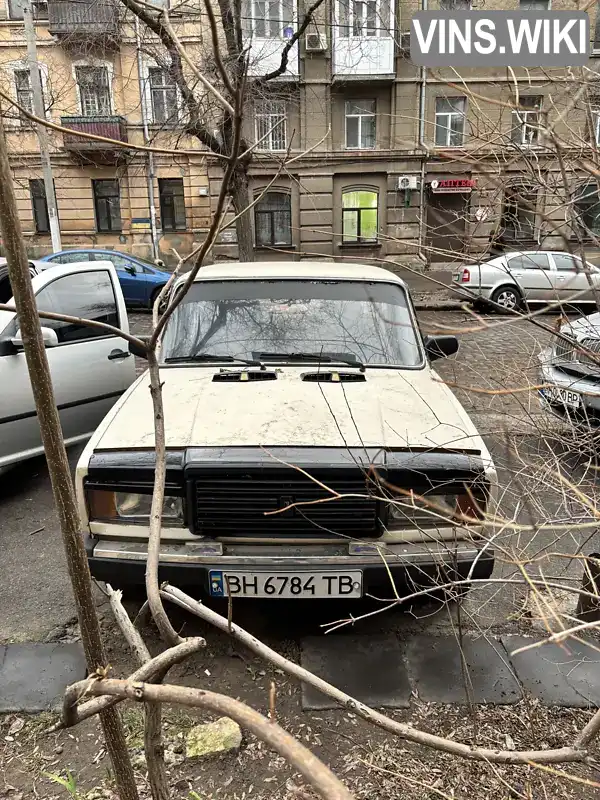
column 275, row 247
column 360, row 245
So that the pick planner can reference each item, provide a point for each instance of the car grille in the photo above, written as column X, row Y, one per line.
column 233, row 502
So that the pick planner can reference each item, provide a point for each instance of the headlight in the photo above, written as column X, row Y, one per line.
column 110, row 506
column 436, row 509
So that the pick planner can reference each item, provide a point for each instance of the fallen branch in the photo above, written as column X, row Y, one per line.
column 401, row 729
column 319, row 776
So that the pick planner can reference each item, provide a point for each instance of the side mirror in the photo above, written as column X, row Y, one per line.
column 440, row 346
column 131, row 271
column 48, row 335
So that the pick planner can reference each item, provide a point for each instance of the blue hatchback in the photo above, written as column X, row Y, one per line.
column 140, row 280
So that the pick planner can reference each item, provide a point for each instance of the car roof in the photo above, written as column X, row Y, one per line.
column 300, row 270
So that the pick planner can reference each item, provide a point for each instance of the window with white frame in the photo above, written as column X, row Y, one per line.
column 270, row 127
column 364, row 18
column 450, row 121
column 163, row 95
column 39, row 9
column 360, row 124
column 94, row 90
column 271, row 18
column 596, row 125
column 24, row 93
column 527, row 120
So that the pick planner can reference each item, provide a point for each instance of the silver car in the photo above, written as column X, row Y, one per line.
column 570, row 372
column 90, row 370
column 529, row 277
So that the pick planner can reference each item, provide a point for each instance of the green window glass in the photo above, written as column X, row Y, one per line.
column 359, row 216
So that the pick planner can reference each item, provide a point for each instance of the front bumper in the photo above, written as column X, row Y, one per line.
column 588, row 389
column 412, row 565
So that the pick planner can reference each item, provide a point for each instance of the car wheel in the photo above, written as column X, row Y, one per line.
column 155, row 294
column 508, row 298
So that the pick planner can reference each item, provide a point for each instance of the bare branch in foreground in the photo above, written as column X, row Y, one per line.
column 401, row 729
column 319, row 776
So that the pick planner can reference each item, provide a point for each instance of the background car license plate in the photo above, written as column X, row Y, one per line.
column 565, row 397
column 285, row 584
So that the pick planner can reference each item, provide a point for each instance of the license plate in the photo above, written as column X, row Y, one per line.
column 563, row 397
column 285, row 584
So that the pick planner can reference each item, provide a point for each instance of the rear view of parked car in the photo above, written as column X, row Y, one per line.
column 515, row 280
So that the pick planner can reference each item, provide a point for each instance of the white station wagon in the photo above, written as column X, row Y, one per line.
column 304, row 425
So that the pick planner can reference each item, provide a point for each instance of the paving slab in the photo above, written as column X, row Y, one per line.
column 558, row 675
column 33, row 677
column 369, row 668
column 435, row 666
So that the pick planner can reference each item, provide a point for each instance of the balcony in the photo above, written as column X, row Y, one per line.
column 363, row 39
column 83, row 18
column 112, row 127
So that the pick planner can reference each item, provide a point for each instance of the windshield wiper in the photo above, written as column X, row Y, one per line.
column 251, row 362
column 351, row 362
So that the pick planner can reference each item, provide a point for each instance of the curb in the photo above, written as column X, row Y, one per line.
column 442, row 305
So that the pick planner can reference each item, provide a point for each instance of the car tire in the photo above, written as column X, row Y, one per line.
column 155, row 294
column 508, row 298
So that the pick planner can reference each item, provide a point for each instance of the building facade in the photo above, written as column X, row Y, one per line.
column 358, row 153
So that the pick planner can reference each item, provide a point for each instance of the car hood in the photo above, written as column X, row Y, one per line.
column 583, row 327
column 391, row 408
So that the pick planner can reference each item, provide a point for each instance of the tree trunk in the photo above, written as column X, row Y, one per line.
column 58, row 464
column 240, row 195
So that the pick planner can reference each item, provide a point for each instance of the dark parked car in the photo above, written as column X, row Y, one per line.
column 140, row 280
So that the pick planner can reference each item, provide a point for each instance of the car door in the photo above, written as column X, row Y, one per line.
column 131, row 278
column 570, row 279
column 533, row 273
column 89, row 369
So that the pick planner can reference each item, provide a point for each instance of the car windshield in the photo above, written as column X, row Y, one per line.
column 268, row 319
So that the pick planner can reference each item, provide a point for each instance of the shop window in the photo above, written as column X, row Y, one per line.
column 359, row 216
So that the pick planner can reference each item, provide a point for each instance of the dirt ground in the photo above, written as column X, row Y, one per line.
column 373, row 764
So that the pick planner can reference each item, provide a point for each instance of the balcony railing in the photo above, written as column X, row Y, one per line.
column 112, row 127
column 89, row 18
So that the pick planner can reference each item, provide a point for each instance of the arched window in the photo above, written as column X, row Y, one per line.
column 359, row 216
column 586, row 202
column 273, row 220
column 519, row 212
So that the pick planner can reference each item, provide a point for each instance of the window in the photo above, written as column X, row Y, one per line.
column 364, row 18
column 529, row 261
column 363, row 320
column 39, row 204
column 24, row 93
column 73, row 258
column 89, row 295
column 359, row 217
column 518, row 214
column 596, row 122
column 455, row 5
column 107, row 205
column 172, row 204
column 273, row 220
column 526, row 121
column 587, row 208
column 360, row 124
column 565, row 262
column 39, row 9
column 163, row 95
column 596, row 43
column 94, row 90
column 449, row 121
column 534, row 5
column 270, row 130
column 270, row 18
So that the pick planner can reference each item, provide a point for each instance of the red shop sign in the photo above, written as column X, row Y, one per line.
column 452, row 185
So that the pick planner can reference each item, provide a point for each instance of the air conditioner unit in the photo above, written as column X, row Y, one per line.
column 407, row 182
column 316, row 42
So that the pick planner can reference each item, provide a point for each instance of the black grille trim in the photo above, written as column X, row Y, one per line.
column 334, row 377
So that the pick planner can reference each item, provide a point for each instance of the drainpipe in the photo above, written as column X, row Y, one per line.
column 422, row 111
column 150, row 160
